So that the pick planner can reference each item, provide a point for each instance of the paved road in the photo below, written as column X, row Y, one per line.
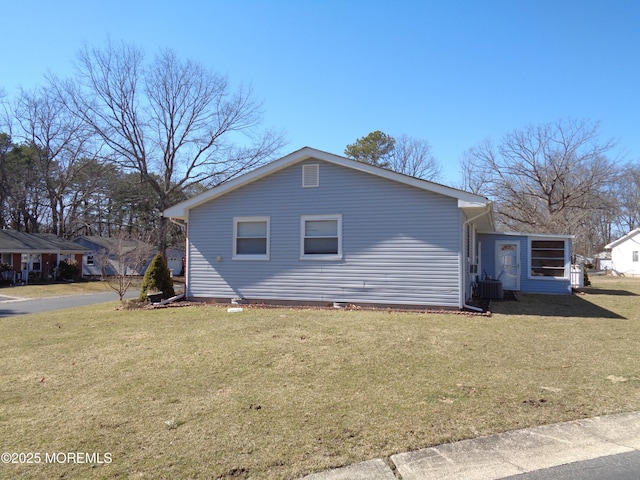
column 624, row 466
column 589, row 449
column 38, row 305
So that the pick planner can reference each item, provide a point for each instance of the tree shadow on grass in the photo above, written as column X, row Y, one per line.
column 576, row 305
column 604, row 291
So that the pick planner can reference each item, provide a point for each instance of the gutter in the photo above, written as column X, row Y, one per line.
column 180, row 223
column 472, row 307
column 463, row 266
column 180, row 296
column 183, row 225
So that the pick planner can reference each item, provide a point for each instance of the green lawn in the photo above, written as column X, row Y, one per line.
column 54, row 289
column 197, row 392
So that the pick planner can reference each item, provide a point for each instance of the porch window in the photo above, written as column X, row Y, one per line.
column 251, row 238
column 32, row 262
column 7, row 259
column 548, row 258
column 321, row 237
column 634, row 256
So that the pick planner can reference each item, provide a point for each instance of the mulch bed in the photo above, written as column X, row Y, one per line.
column 350, row 307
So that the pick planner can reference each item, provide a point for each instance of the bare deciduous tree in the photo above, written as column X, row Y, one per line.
column 22, row 191
column 59, row 142
column 125, row 257
column 548, row 178
column 627, row 195
column 476, row 173
column 414, row 157
column 172, row 121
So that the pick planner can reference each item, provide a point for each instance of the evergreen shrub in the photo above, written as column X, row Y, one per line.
column 157, row 278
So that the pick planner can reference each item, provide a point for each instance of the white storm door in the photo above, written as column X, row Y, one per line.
column 508, row 264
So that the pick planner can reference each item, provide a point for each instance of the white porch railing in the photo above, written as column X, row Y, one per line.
column 577, row 276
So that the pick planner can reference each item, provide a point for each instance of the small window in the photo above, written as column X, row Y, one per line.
column 634, row 256
column 32, row 261
column 7, row 259
column 321, row 237
column 548, row 258
column 251, row 238
column 90, row 260
column 310, row 175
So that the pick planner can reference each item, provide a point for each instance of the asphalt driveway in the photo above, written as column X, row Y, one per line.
column 10, row 306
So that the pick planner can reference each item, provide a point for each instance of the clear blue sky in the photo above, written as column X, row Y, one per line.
column 328, row 72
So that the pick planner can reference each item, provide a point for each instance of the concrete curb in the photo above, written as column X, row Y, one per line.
column 505, row 454
column 369, row 470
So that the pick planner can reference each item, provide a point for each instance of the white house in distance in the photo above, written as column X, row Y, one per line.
column 625, row 254
column 313, row 227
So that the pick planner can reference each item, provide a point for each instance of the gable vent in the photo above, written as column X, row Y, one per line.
column 311, row 175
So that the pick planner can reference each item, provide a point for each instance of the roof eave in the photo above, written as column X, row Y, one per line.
column 531, row 234
column 180, row 210
column 622, row 239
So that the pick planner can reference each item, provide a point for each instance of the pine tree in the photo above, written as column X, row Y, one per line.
column 157, row 277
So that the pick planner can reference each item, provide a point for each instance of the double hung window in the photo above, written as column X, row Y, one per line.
column 251, row 238
column 321, row 237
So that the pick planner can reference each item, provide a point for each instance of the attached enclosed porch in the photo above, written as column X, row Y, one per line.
column 526, row 262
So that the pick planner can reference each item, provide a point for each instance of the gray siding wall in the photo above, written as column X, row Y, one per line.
column 400, row 244
column 527, row 284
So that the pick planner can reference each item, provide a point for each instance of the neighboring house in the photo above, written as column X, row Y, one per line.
column 625, row 254
column 603, row 261
column 313, row 227
column 34, row 256
column 101, row 257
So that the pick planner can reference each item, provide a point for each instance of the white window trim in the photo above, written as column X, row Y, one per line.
column 235, row 255
column 322, row 257
column 567, row 260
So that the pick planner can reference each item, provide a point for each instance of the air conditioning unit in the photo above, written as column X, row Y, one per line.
column 490, row 289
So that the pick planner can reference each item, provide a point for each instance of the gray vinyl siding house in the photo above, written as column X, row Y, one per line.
column 317, row 228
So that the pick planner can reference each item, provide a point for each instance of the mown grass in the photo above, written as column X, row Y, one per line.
column 73, row 288
column 197, row 392
column 54, row 289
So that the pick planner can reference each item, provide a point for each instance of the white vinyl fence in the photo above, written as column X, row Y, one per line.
column 577, row 276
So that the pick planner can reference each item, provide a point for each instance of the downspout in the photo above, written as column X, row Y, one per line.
column 182, row 224
column 462, row 261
